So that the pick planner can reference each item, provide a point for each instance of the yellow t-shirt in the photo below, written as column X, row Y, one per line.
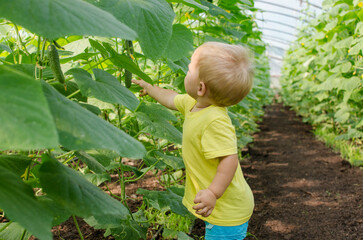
column 207, row 135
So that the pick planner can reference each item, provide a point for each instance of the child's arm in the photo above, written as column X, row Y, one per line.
column 207, row 198
column 162, row 95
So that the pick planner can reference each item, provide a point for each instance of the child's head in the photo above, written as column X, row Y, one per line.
column 226, row 70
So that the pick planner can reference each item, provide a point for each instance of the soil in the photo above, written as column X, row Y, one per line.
column 303, row 190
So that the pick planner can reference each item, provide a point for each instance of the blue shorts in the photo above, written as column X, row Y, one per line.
column 214, row 232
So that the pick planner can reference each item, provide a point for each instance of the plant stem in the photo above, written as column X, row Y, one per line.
column 123, row 188
column 41, row 59
column 104, row 60
column 122, row 182
column 20, row 42
column 138, row 178
column 78, row 230
column 72, row 94
column 23, row 235
column 6, row 225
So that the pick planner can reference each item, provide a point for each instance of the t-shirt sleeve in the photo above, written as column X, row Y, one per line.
column 219, row 139
column 183, row 102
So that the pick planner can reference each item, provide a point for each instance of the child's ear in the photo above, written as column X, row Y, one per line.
column 202, row 90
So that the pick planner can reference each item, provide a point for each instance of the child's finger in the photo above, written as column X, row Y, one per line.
column 199, row 206
column 203, row 211
column 197, row 198
column 209, row 212
column 135, row 81
column 142, row 93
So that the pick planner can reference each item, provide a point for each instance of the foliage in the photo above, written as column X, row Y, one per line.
column 323, row 72
column 59, row 141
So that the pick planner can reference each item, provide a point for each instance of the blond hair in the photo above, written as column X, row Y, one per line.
column 226, row 70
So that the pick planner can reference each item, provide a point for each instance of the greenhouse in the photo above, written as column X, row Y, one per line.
column 181, row 119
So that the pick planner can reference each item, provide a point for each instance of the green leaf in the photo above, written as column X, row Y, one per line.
column 175, row 162
column 190, row 3
column 123, row 61
column 357, row 47
column 216, row 11
column 76, row 47
column 174, row 234
column 157, row 111
column 105, row 87
column 18, row 201
column 180, row 44
column 57, row 18
column 91, row 162
column 360, row 124
column 59, row 213
column 15, row 163
column 154, row 119
column 97, row 46
column 151, row 19
column 29, row 70
column 129, row 229
column 159, row 128
column 26, row 122
column 97, row 179
column 80, row 129
column 180, row 66
column 13, row 232
column 349, row 84
column 165, row 200
column 120, row 229
column 91, row 108
column 342, row 115
column 359, row 28
column 344, row 68
column 73, row 192
column 183, row 236
column 5, row 47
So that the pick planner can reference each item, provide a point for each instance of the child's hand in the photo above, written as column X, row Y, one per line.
column 142, row 84
column 207, row 201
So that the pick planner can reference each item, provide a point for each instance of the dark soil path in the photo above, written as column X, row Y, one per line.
column 303, row 190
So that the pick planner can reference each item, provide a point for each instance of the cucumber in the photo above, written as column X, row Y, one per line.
column 54, row 63
column 128, row 77
column 130, row 52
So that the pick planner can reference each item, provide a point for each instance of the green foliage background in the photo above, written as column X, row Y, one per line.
column 323, row 76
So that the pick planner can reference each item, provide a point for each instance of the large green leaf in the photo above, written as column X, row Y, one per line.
column 156, row 111
column 216, row 11
column 165, row 200
column 80, row 129
column 15, row 163
column 349, row 84
column 58, row 18
column 18, row 201
column 151, row 19
column 123, row 61
column 120, row 230
column 91, row 162
column 154, row 119
column 190, row 3
column 72, row 191
column 13, row 232
column 159, row 128
column 175, row 162
column 180, row 44
column 26, row 122
column 105, row 87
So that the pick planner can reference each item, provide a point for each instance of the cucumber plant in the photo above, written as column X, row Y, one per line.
column 323, row 76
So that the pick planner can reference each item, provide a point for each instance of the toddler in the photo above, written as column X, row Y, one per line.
column 220, row 75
